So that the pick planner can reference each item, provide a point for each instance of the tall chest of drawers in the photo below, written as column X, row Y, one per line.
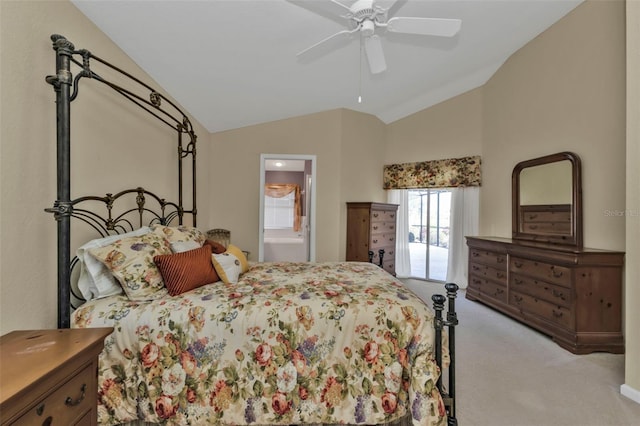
column 372, row 227
column 575, row 296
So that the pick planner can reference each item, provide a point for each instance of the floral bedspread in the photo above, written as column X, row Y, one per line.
column 291, row 343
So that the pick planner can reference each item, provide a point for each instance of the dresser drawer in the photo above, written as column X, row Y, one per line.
column 551, row 293
column 383, row 227
column 383, row 240
column 485, row 257
column 67, row 404
column 383, row 216
column 530, row 304
column 489, row 288
column 484, row 271
column 554, row 274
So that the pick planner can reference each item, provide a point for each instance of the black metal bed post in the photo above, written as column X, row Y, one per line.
column 62, row 207
column 452, row 321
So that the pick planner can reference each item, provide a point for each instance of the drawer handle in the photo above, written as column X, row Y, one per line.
column 559, row 294
column 556, row 314
column 555, row 274
column 47, row 421
column 517, row 281
column 498, row 291
column 532, row 216
column 499, row 275
column 375, row 215
column 375, row 228
column 517, row 264
column 40, row 409
column 71, row 403
column 518, row 298
column 375, row 241
column 475, row 267
column 501, row 260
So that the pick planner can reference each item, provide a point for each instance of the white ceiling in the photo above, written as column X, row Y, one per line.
column 233, row 63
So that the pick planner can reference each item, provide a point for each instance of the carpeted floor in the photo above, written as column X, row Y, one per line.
column 509, row 374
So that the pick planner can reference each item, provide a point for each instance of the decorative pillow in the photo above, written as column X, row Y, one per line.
column 227, row 266
column 180, row 233
column 241, row 257
column 182, row 246
column 96, row 280
column 131, row 262
column 185, row 271
column 216, row 247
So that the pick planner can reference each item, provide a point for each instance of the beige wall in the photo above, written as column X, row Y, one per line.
column 564, row 91
column 111, row 148
column 450, row 129
column 338, row 139
column 632, row 269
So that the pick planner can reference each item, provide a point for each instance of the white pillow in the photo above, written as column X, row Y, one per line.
column 182, row 246
column 96, row 280
column 227, row 266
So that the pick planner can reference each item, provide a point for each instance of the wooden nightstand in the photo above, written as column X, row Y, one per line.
column 50, row 376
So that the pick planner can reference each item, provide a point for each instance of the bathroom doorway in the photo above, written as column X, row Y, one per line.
column 287, row 208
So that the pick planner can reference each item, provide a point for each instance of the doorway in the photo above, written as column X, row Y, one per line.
column 429, row 225
column 287, row 208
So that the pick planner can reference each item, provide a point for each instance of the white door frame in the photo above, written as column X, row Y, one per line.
column 311, row 214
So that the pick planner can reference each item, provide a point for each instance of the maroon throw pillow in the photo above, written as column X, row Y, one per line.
column 185, row 271
column 216, row 247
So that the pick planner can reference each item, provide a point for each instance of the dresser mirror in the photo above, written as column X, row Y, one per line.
column 547, row 200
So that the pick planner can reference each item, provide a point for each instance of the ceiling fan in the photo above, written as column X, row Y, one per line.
column 365, row 16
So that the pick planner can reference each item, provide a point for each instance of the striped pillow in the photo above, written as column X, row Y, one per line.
column 185, row 271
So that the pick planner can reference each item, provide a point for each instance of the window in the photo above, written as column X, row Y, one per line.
column 279, row 212
column 429, row 224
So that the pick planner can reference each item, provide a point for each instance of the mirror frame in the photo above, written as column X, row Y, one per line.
column 573, row 239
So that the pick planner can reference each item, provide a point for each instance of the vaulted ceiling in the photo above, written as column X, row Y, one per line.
column 233, row 63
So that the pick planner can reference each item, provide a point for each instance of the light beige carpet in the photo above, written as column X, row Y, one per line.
column 509, row 374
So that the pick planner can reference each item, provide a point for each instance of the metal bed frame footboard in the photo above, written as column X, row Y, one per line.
column 448, row 393
column 64, row 208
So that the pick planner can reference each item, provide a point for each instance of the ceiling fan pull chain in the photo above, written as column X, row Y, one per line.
column 360, row 72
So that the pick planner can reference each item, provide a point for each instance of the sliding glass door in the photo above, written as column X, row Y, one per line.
column 429, row 211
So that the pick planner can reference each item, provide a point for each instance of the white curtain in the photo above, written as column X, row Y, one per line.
column 465, row 206
column 403, row 260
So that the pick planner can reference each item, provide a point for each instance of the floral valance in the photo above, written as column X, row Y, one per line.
column 448, row 173
column 279, row 190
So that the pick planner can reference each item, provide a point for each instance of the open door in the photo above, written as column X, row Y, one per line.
column 287, row 208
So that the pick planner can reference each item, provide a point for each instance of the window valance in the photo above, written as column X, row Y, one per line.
column 449, row 173
column 279, row 190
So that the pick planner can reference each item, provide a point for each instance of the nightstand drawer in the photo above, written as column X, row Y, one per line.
column 67, row 404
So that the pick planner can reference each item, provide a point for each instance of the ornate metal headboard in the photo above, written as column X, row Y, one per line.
column 109, row 220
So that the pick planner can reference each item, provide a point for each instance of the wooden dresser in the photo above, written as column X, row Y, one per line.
column 372, row 227
column 49, row 377
column 573, row 295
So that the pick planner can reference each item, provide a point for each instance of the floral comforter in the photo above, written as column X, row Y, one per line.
column 290, row 343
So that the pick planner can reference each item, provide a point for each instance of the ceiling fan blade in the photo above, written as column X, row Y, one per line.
column 425, row 26
column 330, row 43
column 331, row 9
column 375, row 55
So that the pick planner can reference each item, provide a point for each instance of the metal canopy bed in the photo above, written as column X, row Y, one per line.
column 400, row 368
